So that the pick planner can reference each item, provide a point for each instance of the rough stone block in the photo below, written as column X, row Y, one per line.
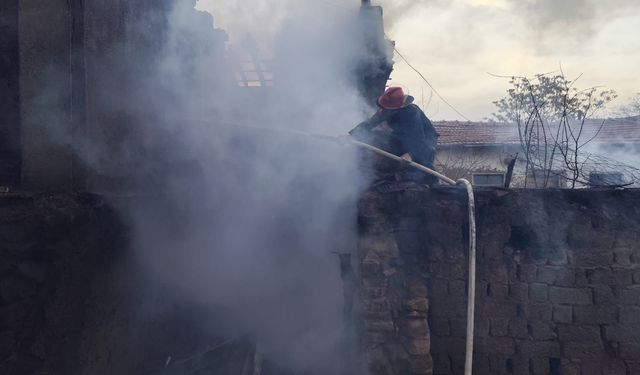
column 579, row 333
column 581, row 278
column 556, row 275
column 495, row 272
column 540, row 349
column 440, row 327
column 499, row 345
column 380, row 326
column 591, row 366
column 498, row 291
column 441, row 364
column 375, row 292
column 603, row 295
column 455, row 307
column 591, row 256
column 439, row 289
column 499, row 327
column 630, row 350
column 458, row 288
column 614, row 367
column 498, row 364
column 459, row 327
column 414, row 328
column 417, row 288
column 417, row 346
column 562, row 314
column 538, row 292
column 540, row 330
column 500, row 310
column 375, row 282
column 520, row 365
column 586, row 233
column 630, row 315
column 546, row 349
column 611, row 277
column 417, row 307
column 519, row 291
column 622, row 256
column 595, row 314
column 376, row 305
column 370, row 268
column 527, row 273
column 412, row 224
column 620, row 333
column 422, row 365
column 539, row 366
column 634, row 366
column 518, row 329
column 583, row 350
column 449, row 345
column 570, row 368
column 570, row 296
column 383, row 246
column 630, row 295
column 374, row 338
column 539, row 311
column 482, row 326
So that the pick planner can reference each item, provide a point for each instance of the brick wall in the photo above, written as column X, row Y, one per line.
column 558, row 279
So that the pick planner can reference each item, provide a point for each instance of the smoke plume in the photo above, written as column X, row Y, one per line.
column 235, row 218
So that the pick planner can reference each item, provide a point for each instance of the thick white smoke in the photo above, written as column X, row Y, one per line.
column 244, row 222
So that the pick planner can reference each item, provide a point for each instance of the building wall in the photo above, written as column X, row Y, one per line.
column 73, row 300
column 465, row 161
column 558, row 281
column 45, row 94
column 51, row 249
column 10, row 94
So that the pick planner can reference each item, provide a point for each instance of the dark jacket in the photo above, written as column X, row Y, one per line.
column 411, row 133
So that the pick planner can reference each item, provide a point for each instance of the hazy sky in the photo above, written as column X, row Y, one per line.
column 455, row 43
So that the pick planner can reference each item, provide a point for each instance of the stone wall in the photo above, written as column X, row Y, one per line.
column 9, row 92
column 75, row 300
column 51, row 248
column 558, row 280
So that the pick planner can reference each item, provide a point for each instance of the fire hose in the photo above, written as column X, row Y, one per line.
column 468, row 368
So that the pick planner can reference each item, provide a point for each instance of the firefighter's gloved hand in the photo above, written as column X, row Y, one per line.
column 407, row 158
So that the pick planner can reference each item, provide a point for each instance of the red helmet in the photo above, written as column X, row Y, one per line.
column 394, row 98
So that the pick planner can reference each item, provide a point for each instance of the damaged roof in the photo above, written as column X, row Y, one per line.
column 614, row 131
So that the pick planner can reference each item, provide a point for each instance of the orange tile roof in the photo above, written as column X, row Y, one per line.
column 614, row 131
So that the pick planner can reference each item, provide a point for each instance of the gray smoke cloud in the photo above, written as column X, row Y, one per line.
column 570, row 23
column 243, row 222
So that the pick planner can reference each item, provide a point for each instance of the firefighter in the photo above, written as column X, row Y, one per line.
column 400, row 127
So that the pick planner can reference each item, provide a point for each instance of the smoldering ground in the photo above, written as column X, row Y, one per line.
column 235, row 221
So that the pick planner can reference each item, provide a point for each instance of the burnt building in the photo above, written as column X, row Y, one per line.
column 66, row 69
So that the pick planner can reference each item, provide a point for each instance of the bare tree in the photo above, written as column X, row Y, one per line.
column 632, row 108
column 555, row 126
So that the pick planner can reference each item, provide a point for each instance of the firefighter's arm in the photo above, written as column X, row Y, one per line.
column 367, row 126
